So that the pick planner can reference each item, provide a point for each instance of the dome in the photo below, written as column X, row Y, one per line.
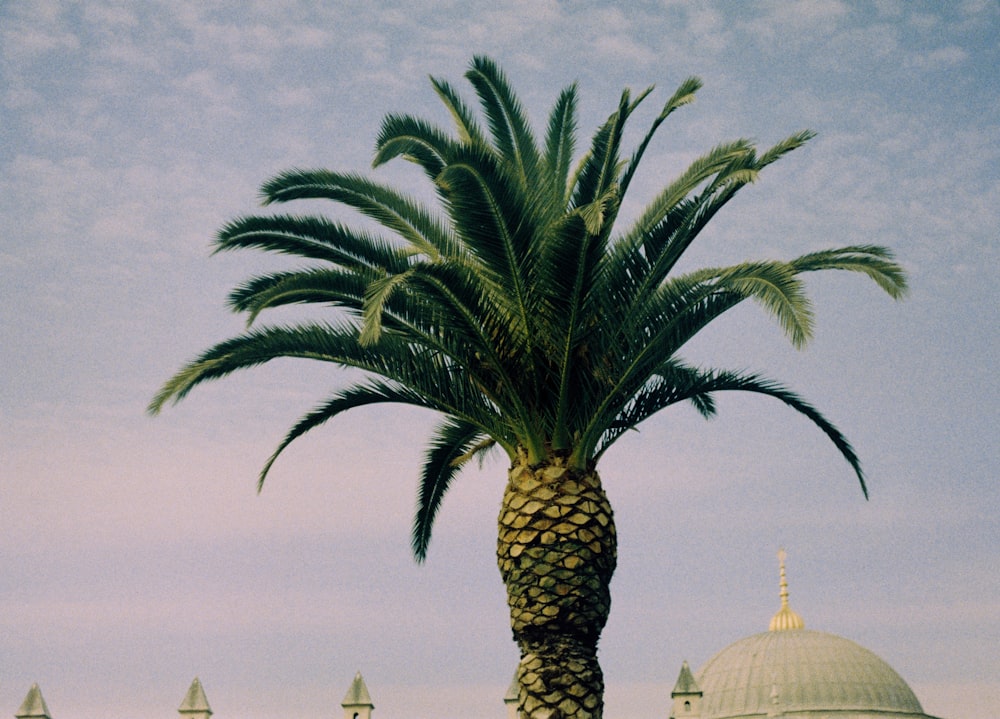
column 800, row 670
column 794, row 672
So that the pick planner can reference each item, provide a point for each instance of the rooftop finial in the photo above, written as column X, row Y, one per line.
column 784, row 580
column 195, row 704
column 785, row 617
column 33, row 706
column 358, row 702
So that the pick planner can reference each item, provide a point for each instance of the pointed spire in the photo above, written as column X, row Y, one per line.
column 512, row 698
column 686, row 683
column 357, row 702
column 33, row 706
column 785, row 618
column 195, row 704
column 686, row 695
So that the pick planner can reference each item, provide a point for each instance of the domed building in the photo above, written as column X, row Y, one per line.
column 787, row 672
column 793, row 672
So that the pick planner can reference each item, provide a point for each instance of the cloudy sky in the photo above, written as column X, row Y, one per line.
column 134, row 551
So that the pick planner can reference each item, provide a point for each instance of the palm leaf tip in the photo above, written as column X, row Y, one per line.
column 155, row 405
column 874, row 261
column 756, row 384
column 885, row 271
column 177, row 387
column 683, row 95
column 455, row 441
column 270, row 192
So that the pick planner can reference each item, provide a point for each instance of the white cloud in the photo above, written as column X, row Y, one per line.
column 288, row 97
column 708, row 27
column 873, row 43
column 938, row 59
column 110, row 16
column 22, row 98
column 890, row 8
column 796, row 22
column 622, row 50
column 209, row 90
column 924, row 21
column 34, row 29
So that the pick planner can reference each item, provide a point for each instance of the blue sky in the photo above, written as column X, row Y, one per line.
column 135, row 553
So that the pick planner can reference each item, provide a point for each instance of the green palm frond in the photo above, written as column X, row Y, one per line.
column 465, row 121
column 596, row 175
column 489, row 213
column 313, row 238
column 676, row 313
column 415, row 140
column 464, row 327
column 686, row 383
column 326, row 342
column 560, row 143
column 513, row 306
column 876, row 262
column 708, row 165
column 512, row 136
column 775, row 287
column 392, row 358
column 353, row 397
column 683, row 95
column 376, row 299
column 454, row 442
column 782, row 148
column 720, row 381
column 333, row 287
column 572, row 266
column 675, row 382
column 394, row 211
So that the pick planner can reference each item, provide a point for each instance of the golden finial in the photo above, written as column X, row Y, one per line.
column 785, row 617
column 783, row 583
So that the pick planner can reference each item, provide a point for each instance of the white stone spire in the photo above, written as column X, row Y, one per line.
column 33, row 706
column 358, row 702
column 686, row 695
column 195, row 704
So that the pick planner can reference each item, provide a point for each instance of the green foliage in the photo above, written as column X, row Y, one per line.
column 516, row 309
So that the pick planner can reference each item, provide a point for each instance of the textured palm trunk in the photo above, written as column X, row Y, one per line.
column 556, row 551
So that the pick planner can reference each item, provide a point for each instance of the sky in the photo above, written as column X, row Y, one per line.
column 135, row 553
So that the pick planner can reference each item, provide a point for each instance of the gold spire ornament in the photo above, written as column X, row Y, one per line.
column 785, row 619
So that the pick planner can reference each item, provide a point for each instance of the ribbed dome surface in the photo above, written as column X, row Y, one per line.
column 801, row 670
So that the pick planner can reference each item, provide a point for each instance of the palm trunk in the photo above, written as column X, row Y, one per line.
column 557, row 551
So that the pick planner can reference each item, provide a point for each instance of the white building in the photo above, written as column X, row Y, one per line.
column 787, row 672
column 795, row 673
column 357, row 703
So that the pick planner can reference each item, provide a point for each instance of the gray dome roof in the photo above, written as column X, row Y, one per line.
column 800, row 670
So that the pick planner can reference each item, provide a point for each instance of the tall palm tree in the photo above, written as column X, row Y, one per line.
column 521, row 315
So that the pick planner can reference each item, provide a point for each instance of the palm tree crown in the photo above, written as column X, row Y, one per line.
column 522, row 314
column 519, row 310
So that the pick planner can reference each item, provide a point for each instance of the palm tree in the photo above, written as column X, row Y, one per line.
column 521, row 315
